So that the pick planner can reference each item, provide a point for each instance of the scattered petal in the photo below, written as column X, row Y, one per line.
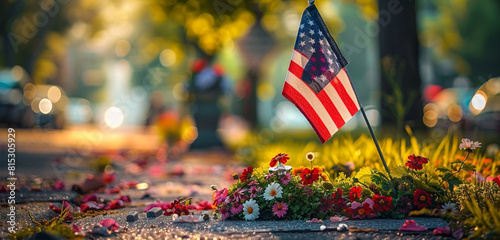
column 314, row 220
column 188, row 218
column 442, row 231
column 338, row 219
column 90, row 198
column 115, row 204
column 91, row 206
column 58, row 185
column 125, row 199
column 76, row 229
column 111, row 224
column 411, row 226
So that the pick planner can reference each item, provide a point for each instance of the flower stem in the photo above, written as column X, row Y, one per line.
column 462, row 164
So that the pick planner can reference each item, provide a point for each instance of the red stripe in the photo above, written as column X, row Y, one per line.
column 307, row 110
column 296, row 69
column 344, row 96
column 332, row 110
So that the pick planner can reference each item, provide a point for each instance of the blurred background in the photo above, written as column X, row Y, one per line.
column 164, row 77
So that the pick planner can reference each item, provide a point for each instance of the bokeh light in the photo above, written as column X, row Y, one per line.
column 45, row 106
column 54, row 94
column 478, row 102
column 113, row 117
column 29, row 91
column 455, row 113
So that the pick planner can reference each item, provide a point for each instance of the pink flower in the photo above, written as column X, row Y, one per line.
column 254, row 182
column 111, row 224
column 279, row 209
column 220, row 196
column 254, row 190
column 286, row 179
column 269, row 176
column 238, row 194
column 469, row 145
column 204, row 205
column 224, row 213
column 411, row 226
column 237, row 208
column 90, row 198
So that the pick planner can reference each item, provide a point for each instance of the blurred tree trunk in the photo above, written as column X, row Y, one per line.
column 399, row 53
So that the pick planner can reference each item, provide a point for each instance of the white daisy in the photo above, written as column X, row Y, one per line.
column 468, row 144
column 449, row 207
column 273, row 190
column 251, row 210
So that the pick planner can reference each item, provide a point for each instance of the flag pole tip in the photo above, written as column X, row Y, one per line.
column 311, row 1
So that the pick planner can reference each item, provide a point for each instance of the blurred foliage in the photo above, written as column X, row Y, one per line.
column 480, row 209
column 52, row 227
column 346, row 154
column 466, row 32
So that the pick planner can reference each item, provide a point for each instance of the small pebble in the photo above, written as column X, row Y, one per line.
column 132, row 216
column 154, row 212
column 322, row 228
column 342, row 227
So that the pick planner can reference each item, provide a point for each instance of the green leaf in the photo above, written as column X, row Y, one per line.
column 443, row 170
column 469, row 167
column 456, row 161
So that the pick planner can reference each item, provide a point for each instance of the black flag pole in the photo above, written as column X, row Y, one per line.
column 370, row 129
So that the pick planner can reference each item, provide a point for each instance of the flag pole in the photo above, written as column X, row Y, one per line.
column 375, row 141
column 370, row 129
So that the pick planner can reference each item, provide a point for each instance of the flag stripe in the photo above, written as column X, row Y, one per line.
column 307, row 110
column 346, row 81
column 308, row 95
column 339, row 105
column 337, row 111
column 337, row 83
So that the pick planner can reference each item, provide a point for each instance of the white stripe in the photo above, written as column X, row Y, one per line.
column 299, row 59
column 311, row 98
column 337, row 102
column 344, row 79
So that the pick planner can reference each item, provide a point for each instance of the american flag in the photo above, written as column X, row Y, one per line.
column 317, row 82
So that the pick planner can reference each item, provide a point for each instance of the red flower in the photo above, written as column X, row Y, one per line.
column 355, row 193
column 381, row 203
column 309, row 176
column 416, row 162
column 247, row 173
column 281, row 157
column 421, row 199
column 361, row 211
column 204, row 205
